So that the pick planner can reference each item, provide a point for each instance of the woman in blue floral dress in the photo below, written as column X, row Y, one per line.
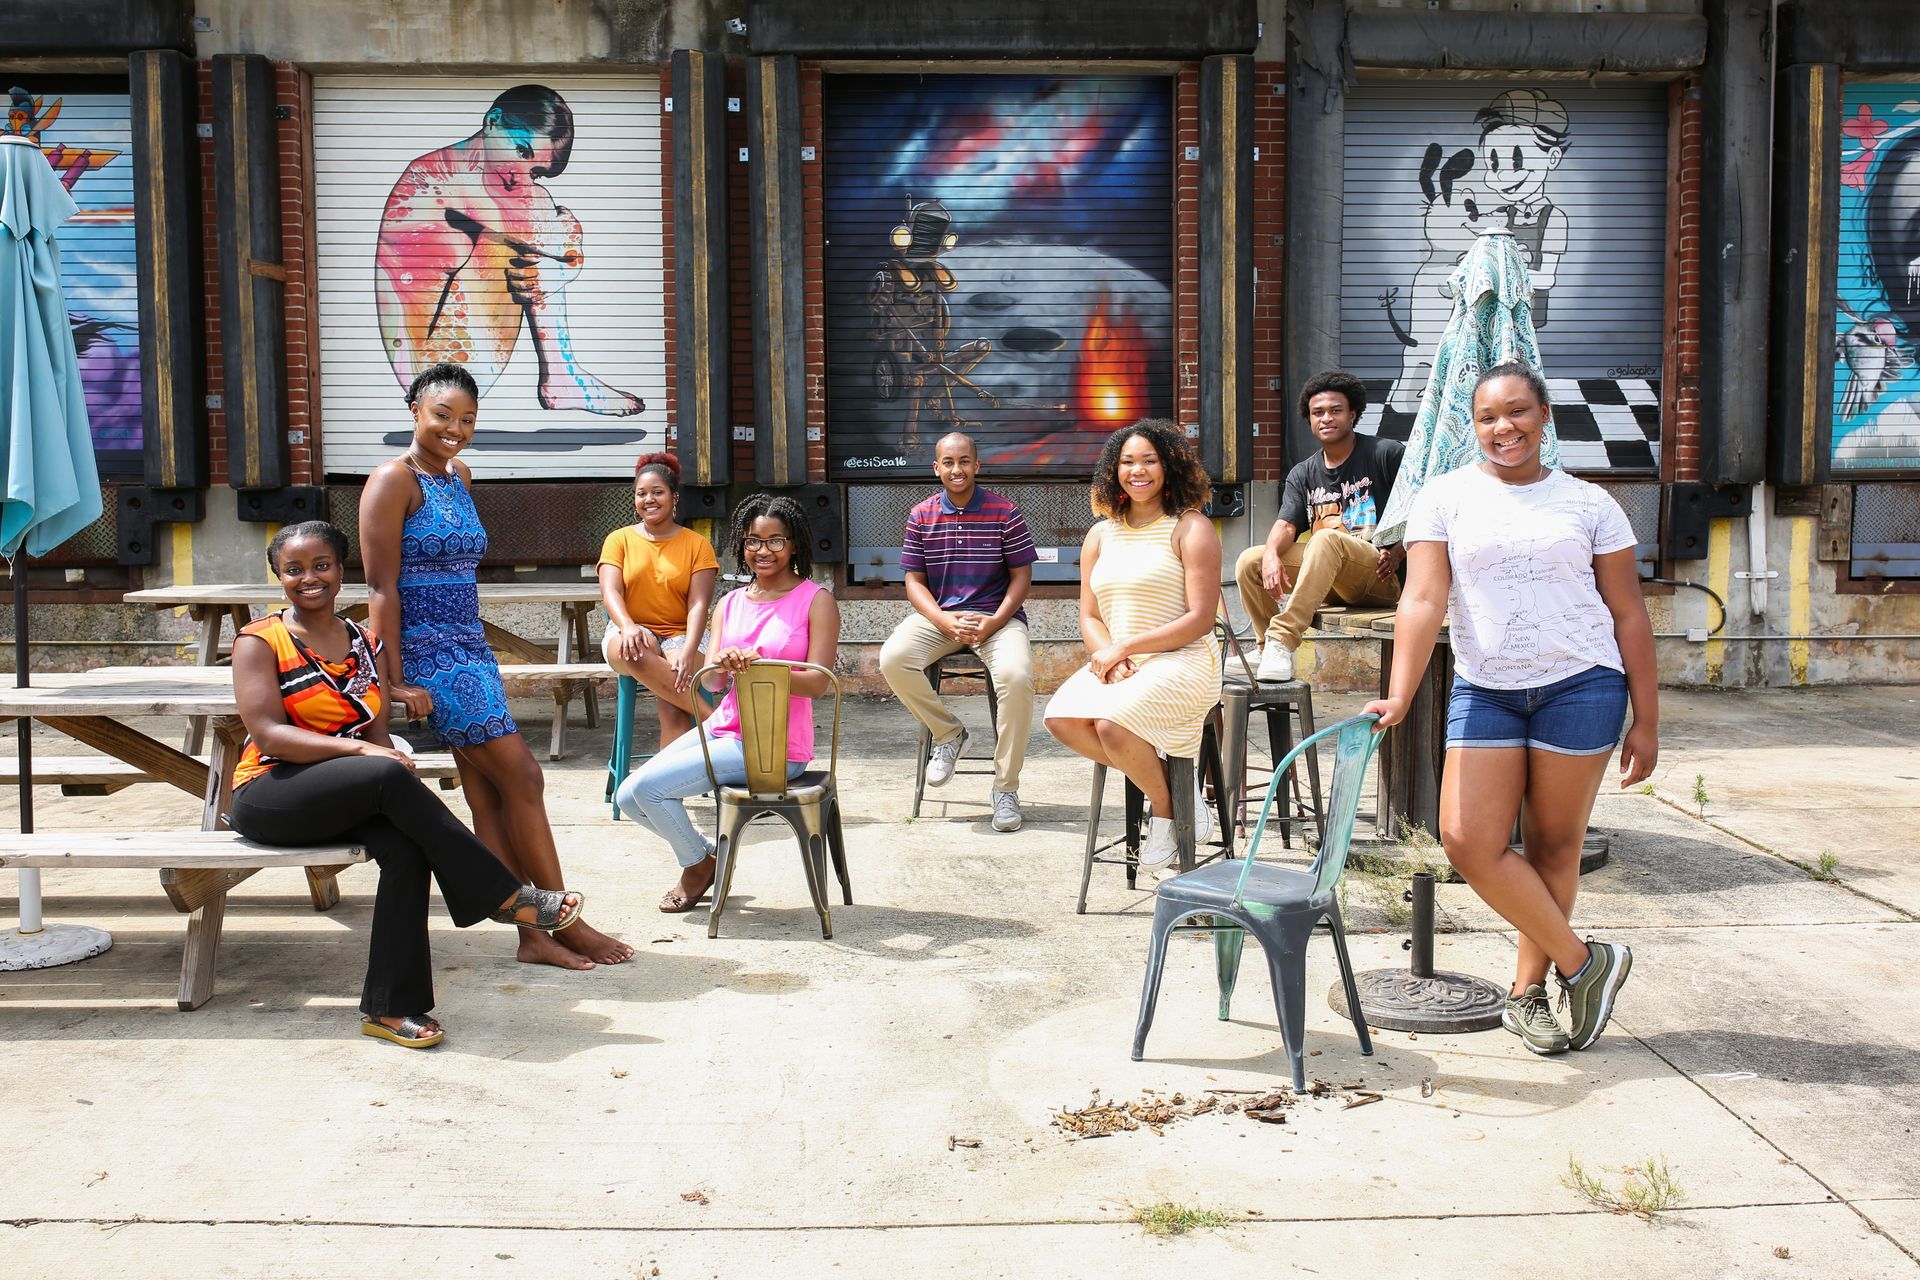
column 421, row 542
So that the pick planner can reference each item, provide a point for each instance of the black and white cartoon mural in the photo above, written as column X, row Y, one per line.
column 1578, row 175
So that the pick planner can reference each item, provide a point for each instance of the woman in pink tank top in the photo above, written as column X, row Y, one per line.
column 780, row 614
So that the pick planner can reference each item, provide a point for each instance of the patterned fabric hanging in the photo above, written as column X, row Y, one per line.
column 1492, row 324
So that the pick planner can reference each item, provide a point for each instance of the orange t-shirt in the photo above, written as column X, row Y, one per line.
column 659, row 575
column 337, row 698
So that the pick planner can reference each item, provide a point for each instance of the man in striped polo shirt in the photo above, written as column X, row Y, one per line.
column 968, row 558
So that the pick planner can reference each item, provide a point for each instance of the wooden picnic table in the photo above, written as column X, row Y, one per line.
column 213, row 605
column 1415, row 750
column 94, row 707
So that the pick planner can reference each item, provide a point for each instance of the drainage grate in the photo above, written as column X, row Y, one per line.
column 1057, row 514
column 1886, row 531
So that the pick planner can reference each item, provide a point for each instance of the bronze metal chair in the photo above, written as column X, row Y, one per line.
column 809, row 803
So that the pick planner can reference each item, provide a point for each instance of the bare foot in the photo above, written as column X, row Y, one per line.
column 584, row 391
column 583, row 939
column 693, row 885
column 543, row 948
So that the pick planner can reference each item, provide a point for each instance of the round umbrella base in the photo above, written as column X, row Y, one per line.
column 57, row 944
column 1398, row 1000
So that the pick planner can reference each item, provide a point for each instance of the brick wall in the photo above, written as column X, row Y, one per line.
column 1270, row 410
column 1186, row 247
column 293, row 93
column 1680, row 376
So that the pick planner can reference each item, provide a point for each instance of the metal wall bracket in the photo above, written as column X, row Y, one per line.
column 289, row 505
column 140, row 509
column 1691, row 509
column 702, row 502
column 826, row 508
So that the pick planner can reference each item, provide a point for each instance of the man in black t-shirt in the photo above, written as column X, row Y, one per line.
column 1322, row 544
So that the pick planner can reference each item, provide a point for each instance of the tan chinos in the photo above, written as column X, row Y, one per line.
column 1327, row 563
column 917, row 644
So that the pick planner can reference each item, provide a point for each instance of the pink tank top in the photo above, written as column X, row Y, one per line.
column 777, row 629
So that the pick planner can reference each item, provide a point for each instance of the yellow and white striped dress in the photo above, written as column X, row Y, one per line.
column 1140, row 583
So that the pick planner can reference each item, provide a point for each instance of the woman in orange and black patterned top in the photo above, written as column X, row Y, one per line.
column 319, row 766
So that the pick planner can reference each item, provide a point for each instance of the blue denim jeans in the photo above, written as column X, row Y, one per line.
column 1581, row 715
column 652, row 794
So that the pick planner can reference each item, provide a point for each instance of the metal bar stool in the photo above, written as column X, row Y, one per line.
column 1180, row 773
column 962, row 665
column 1241, row 694
column 621, row 760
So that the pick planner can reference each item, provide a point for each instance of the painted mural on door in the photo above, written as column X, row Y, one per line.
column 1876, row 372
column 83, row 126
column 999, row 262
column 1577, row 175
column 512, row 227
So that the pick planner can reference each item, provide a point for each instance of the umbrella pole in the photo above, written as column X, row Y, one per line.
column 35, row 945
column 30, row 922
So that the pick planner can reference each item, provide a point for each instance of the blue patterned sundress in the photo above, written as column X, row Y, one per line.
column 442, row 647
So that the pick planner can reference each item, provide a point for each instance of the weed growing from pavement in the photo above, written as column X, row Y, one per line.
column 1826, row 867
column 1169, row 1219
column 1386, row 875
column 1648, row 1187
column 1700, row 795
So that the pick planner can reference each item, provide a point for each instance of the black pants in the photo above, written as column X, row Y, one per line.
column 381, row 804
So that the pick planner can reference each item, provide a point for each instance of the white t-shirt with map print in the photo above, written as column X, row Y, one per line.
column 1524, row 608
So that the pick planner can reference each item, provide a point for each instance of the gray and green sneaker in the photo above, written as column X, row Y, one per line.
column 1529, row 1015
column 1588, row 995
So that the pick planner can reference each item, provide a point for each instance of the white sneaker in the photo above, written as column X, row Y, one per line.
column 1006, row 811
column 1276, row 663
column 1160, row 848
column 945, row 756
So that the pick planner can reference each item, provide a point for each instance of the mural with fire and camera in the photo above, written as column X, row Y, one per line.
column 1876, row 373
column 83, row 126
column 999, row 261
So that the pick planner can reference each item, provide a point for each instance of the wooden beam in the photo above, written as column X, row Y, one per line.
column 1226, row 267
column 703, row 424
column 776, row 219
column 1806, row 231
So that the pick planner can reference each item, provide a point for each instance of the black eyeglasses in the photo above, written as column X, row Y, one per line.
column 775, row 544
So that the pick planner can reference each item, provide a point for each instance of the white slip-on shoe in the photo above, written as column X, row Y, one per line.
column 1006, row 811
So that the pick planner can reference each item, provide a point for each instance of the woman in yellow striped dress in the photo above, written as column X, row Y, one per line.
column 1149, row 589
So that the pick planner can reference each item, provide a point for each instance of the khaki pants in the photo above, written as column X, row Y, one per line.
column 916, row 644
column 1330, row 563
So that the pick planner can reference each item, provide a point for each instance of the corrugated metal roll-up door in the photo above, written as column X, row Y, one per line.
column 1580, row 173
column 83, row 125
column 511, row 224
column 999, row 260
column 1876, row 374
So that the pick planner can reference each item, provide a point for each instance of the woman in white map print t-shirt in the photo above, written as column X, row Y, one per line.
column 1533, row 571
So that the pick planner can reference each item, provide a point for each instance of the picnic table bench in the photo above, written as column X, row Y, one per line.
column 197, row 869
column 212, row 605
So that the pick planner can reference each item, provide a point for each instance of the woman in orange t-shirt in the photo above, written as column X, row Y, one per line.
column 319, row 766
column 656, row 582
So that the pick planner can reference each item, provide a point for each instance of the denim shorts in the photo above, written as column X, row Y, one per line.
column 1582, row 715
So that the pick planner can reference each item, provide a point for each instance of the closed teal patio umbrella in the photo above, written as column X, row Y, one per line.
column 49, row 485
column 1492, row 324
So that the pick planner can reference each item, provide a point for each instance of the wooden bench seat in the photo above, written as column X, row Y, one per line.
column 197, row 869
column 1349, row 617
column 103, row 775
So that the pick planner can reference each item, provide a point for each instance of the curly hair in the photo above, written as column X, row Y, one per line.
column 1334, row 380
column 1188, row 486
column 775, row 506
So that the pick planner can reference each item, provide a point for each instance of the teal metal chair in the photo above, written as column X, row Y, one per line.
column 1280, row 906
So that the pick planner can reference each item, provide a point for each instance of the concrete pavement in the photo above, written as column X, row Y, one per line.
column 771, row 1103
